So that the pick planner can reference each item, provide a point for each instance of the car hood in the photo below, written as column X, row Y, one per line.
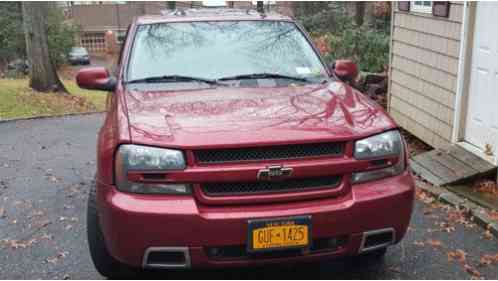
column 233, row 116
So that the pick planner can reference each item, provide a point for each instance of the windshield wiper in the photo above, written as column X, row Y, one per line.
column 173, row 78
column 263, row 76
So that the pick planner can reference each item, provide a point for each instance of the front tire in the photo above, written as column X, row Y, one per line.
column 105, row 264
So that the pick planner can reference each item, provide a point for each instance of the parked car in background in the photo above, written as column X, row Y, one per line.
column 79, row 55
column 229, row 142
column 19, row 66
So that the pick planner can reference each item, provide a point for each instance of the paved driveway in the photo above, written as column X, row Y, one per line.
column 47, row 166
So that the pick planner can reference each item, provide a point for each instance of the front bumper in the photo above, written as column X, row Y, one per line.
column 132, row 223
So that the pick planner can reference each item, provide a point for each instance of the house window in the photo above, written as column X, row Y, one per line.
column 421, row 6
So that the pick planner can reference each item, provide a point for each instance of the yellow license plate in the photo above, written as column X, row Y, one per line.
column 280, row 234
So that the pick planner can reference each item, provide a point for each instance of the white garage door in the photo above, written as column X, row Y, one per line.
column 482, row 117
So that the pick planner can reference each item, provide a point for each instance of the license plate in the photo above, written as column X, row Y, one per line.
column 273, row 234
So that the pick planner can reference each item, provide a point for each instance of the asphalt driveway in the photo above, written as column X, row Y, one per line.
column 47, row 167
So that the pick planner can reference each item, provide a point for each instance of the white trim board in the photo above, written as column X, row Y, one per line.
column 459, row 99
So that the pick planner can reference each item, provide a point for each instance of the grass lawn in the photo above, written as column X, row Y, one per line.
column 17, row 100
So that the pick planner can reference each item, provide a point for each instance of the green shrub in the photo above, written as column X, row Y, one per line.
column 368, row 47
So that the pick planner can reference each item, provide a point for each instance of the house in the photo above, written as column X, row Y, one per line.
column 443, row 85
column 95, row 18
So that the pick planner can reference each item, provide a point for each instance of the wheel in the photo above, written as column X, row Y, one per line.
column 105, row 264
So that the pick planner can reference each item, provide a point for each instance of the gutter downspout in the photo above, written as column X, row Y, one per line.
column 458, row 114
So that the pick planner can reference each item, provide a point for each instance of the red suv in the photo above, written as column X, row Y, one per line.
column 228, row 142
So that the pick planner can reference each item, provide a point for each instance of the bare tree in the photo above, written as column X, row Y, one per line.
column 42, row 72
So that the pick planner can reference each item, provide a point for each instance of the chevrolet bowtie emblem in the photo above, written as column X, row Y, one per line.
column 276, row 172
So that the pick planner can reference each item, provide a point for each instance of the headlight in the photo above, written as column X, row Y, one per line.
column 135, row 158
column 386, row 145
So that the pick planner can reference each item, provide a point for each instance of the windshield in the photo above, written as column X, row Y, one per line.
column 215, row 50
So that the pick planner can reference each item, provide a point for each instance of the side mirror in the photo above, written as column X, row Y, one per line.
column 95, row 78
column 345, row 70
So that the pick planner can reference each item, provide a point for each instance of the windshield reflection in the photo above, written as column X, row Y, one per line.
column 213, row 50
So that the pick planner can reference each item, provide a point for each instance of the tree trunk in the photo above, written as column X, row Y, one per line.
column 359, row 12
column 42, row 72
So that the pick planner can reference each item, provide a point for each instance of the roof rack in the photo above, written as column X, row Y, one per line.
column 201, row 11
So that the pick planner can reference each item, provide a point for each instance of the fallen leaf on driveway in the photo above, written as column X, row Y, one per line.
column 51, row 260
column 493, row 215
column 434, row 243
column 36, row 214
column 53, row 179
column 472, row 271
column 458, row 255
column 418, row 243
column 488, row 260
column 488, row 235
column 457, row 216
column 58, row 257
column 40, row 224
column 394, row 269
column 424, row 196
column 17, row 244
column 46, row 236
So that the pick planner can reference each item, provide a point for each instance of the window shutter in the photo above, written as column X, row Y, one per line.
column 441, row 8
column 404, row 6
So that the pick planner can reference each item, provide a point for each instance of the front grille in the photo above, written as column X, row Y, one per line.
column 277, row 152
column 259, row 187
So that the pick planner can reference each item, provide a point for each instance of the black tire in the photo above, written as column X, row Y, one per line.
column 105, row 264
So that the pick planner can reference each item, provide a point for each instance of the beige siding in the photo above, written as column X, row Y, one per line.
column 424, row 69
